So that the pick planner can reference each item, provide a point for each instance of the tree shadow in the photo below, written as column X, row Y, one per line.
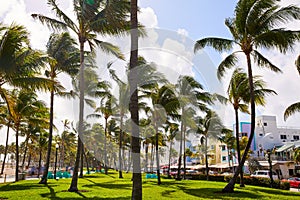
column 109, row 185
column 275, row 191
column 15, row 187
column 51, row 194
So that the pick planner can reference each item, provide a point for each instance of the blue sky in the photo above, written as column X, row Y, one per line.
column 201, row 18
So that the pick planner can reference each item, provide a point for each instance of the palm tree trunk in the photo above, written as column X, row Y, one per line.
column 206, row 158
column 40, row 163
column 73, row 186
column 184, row 153
column 86, row 160
column 25, row 152
column 230, row 186
column 120, row 147
column 17, row 153
column 133, row 106
column 157, row 157
column 180, row 153
column 105, row 148
column 46, row 169
column 146, row 156
column 6, row 147
column 237, row 138
column 169, row 165
column 81, row 161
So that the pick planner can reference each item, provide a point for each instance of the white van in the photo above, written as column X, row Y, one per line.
column 264, row 174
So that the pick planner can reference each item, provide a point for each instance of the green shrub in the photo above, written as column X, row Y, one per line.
column 262, row 182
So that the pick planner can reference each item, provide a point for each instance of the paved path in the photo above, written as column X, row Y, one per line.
column 294, row 190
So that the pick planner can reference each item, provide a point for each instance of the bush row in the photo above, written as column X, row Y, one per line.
column 262, row 182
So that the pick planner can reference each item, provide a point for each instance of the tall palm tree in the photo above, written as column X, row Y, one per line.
column 239, row 97
column 98, row 16
column 210, row 126
column 64, row 58
column 133, row 105
column 295, row 107
column 106, row 108
column 190, row 94
column 254, row 26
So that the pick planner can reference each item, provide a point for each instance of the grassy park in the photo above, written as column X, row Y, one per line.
column 101, row 186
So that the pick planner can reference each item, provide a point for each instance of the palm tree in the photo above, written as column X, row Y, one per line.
column 254, row 26
column 64, row 58
column 239, row 98
column 210, row 127
column 98, row 16
column 106, row 108
column 133, row 105
column 25, row 106
column 295, row 107
column 189, row 94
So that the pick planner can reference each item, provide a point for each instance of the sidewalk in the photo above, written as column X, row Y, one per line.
column 11, row 178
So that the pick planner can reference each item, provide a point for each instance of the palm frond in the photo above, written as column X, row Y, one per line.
column 264, row 62
column 281, row 39
column 292, row 109
column 227, row 63
column 219, row 44
column 109, row 48
column 50, row 22
column 297, row 63
column 61, row 15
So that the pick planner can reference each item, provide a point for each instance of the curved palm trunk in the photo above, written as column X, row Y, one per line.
column 6, row 147
column 73, row 186
column 238, row 144
column 17, row 153
column 105, row 148
column 46, row 169
column 230, row 186
column 133, row 105
column 151, row 158
column 120, row 147
column 157, row 157
column 146, row 157
column 206, row 158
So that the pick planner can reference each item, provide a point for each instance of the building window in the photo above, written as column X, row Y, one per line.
column 223, row 148
column 212, row 147
column 283, row 137
column 296, row 137
column 224, row 158
column 265, row 124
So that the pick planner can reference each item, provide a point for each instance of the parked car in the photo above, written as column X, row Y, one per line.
column 264, row 174
column 191, row 172
column 294, row 182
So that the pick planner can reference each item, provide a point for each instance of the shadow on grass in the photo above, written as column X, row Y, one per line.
column 286, row 193
column 51, row 194
column 20, row 186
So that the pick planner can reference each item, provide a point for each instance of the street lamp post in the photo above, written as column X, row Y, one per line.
column 56, row 148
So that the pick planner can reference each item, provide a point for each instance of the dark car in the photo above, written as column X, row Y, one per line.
column 294, row 182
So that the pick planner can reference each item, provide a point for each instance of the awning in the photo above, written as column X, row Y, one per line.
column 285, row 147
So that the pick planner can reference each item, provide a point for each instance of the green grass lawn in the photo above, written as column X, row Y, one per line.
column 100, row 186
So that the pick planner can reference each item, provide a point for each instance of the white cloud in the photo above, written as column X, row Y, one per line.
column 148, row 18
